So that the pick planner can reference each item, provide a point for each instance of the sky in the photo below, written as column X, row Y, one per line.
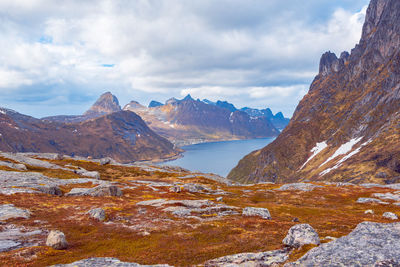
column 58, row 57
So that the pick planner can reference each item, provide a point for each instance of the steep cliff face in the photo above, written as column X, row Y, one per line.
column 106, row 104
column 347, row 128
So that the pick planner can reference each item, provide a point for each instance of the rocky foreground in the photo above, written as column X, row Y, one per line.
column 63, row 211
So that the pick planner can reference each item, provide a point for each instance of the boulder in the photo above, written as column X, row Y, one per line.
column 56, row 239
column 105, row 190
column 105, row 161
column 97, row 214
column 390, row 215
column 301, row 234
column 175, row 189
column 259, row 212
column 51, row 190
column 363, row 200
column 369, row 212
column 91, row 174
column 367, row 245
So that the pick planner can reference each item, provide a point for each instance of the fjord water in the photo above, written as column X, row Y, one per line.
column 217, row 157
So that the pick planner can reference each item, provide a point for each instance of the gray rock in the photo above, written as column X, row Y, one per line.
column 50, row 156
column 219, row 199
column 105, row 161
column 371, row 200
column 268, row 258
column 33, row 182
column 387, row 196
column 15, row 166
column 98, row 214
column 9, row 211
column 7, row 245
column 259, row 212
column 298, row 186
column 195, row 188
column 369, row 212
column 175, row 189
column 51, row 190
column 187, row 203
column 56, row 239
column 301, row 234
column 109, row 262
column 21, row 158
column 368, row 244
column 390, row 215
column 98, row 191
column 91, row 174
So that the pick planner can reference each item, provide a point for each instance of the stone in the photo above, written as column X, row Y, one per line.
column 91, row 174
column 98, row 214
column 108, row 190
column 387, row 196
column 7, row 245
column 390, row 215
column 195, row 188
column 301, row 234
column 371, row 200
column 51, row 190
column 105, row 161
column 56, row 239
column 22, row 158
column 259, row 212
column 16, row 166
column 175, row 189
column 368, row 244
column 369, row 212
column 98, row 191
column 295, row 219
column 9, row 211
column 219, row 199
column 298, row 186
column 109, row 262
column 269, row 258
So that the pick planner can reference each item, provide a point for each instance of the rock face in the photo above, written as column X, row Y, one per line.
column 193, row 121
column 346, row 128
column 110, row 262
column 98, row 191
column 259, row 212
column 369, row 244
column 122, row 135
column 106, row 104
column 56, row 240
column 301, row 234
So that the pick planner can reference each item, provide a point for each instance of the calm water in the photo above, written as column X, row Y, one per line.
column 217, row 157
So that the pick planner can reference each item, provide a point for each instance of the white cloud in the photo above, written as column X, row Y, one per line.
column 256, row 53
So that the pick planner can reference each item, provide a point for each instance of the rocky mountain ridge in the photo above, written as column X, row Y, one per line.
column 122, row 135
column 189, row 121
column 347, row 127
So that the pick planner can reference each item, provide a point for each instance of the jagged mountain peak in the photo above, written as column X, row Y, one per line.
column 107, row 103
column 154, row 104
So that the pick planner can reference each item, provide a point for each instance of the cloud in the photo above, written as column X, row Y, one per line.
column 256, row 53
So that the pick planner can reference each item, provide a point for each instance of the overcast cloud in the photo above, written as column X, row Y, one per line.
column 57, row 57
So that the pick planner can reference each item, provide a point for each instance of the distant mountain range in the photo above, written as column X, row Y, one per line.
column 347, row 128
column 189, row 121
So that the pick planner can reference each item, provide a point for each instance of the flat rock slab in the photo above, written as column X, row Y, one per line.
column 251, row 259
column 387, row 196
column 258, row 212
column 368, row 244
column 8, row 211
column 13, row 237
column 298, row 186
column 30, row 161
column 7, row 245
column 33, row 182
column 109, row 262
column 371, row 200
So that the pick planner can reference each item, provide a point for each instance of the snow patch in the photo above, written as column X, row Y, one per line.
column 343, row 149
column 318, row 148
column 2, row 112
column 230, row 117
column 339, row 163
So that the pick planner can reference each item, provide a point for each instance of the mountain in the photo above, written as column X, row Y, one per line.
column 107, row 103
column 192, row 121
column 122, row 135
column 154, row 104
column 347, row 128
column 278, row 120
